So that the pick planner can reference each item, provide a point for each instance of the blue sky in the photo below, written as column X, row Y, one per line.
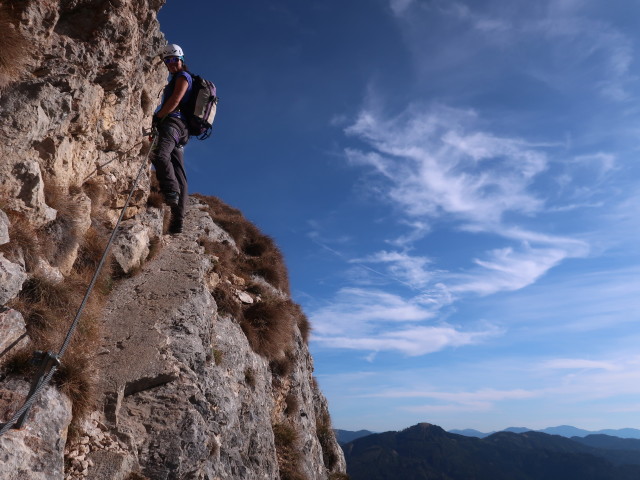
column 455, row 186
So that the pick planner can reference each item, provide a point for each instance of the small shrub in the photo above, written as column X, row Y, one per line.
column 268, row 327
column 283, row 366
column 226, row 301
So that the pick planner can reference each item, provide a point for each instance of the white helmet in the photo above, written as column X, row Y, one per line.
column 172, row 50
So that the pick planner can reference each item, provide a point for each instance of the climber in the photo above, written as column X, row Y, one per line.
column 173, row 135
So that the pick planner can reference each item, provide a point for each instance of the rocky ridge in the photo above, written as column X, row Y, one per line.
column 178, row 377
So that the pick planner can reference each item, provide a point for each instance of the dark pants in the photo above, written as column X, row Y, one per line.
column 168, row 160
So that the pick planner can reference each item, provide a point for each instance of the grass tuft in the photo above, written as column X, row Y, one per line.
column 325, row 434
column 268, row 327
column 24, row 241
column 288, row 452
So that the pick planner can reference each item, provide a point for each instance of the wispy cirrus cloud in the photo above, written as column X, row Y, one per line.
column 579, row 364
column 374, row 320
column 435, row 165
column 576, row 44
column 412, row 341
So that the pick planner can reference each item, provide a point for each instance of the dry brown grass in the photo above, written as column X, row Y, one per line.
column 282, row 367
column 97, row 193
column 49, row 309
column 325, row 434
column 64, row 232
column 89, row 254
column 268, row 327
column 24, row 241
column 155, row 200
column 15, row 49
column 260, row 255
column 302, row 321
column 225, row 299
column 268, row 323
column 288, row 452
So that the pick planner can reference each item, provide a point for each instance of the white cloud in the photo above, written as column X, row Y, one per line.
column 409, row 269
column 357, row 311
column 413, row 341
column 399, row 7
column 374, row 320
column 579, row 364
column 507, row 270
column 435, row 163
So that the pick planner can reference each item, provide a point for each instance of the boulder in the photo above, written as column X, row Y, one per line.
column 131, row 246
column 12, row 276
column 36, row 451
column 4, row 228
column 13, row 332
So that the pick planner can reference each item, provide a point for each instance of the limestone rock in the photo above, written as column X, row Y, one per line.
column 13, row 331
column 12, row 276
column 36, row 450
column 26, row 191
column 4, row 228
column 131, row 246
column 43, row 269
column 244, row 297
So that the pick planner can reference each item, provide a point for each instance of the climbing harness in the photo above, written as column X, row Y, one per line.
column 48, row 362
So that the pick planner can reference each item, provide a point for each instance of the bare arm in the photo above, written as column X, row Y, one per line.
column 174, row 100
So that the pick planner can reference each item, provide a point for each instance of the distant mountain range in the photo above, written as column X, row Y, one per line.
column 427, row 452
column 563, row 430
column 346, row 436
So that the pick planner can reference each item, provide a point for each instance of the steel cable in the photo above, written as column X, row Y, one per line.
column 46, row 378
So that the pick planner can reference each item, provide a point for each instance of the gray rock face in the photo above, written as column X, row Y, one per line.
column 12, row 276
column 35, row 451
column 4, row 228
column 92, row 76
column 13, row 331
column 181, row 385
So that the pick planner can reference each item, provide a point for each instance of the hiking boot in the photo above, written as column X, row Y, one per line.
column 175, row 227
column 172, row 198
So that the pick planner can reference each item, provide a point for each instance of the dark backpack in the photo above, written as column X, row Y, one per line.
column 200, row 109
